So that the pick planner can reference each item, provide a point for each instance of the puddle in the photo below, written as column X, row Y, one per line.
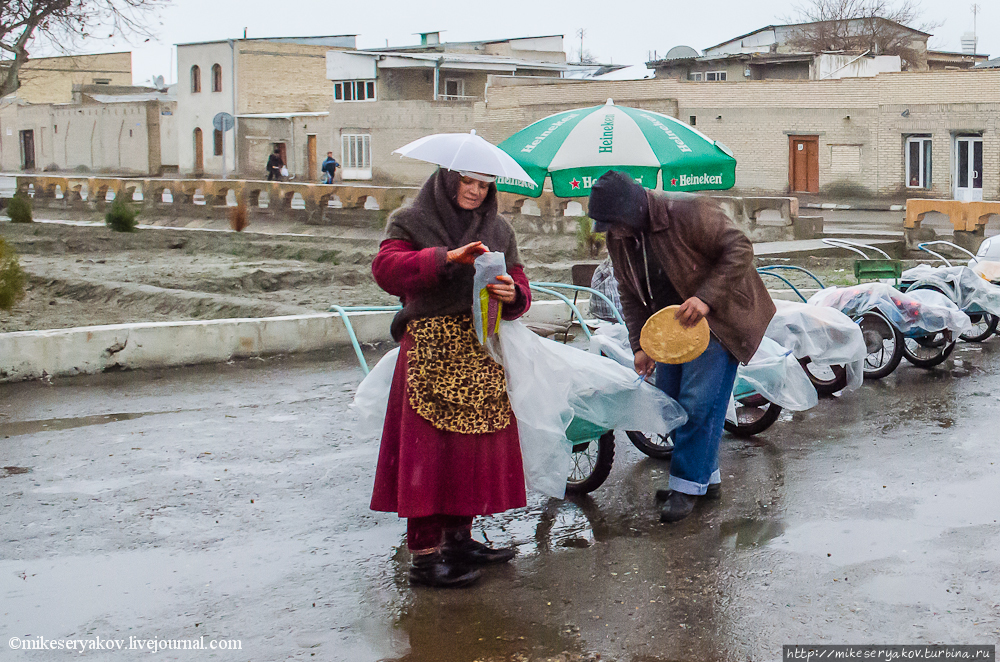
column 6, row 472
column 53, row 424
column 748, row 532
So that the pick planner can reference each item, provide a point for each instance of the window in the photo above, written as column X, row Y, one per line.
column 195, row 79
column 218, row 142
column 454, row 88
column 102, row 81
column 715, row 75
column 354, row 90
column 356, row 156
column 918, row 162
column 693, row 120
column 695, row 76
column 216, row 78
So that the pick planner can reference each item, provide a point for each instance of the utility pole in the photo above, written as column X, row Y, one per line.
column 581, row 32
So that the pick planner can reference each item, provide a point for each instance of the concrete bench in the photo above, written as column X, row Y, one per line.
column 968, row 219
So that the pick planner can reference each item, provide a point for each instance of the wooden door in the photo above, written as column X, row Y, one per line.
column 28, row 149
column 311, row 157
column 199, row 152
column 803, row 164
column 283, row 155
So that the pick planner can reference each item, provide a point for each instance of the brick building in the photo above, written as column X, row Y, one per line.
column 911, row 134
column 51, row 79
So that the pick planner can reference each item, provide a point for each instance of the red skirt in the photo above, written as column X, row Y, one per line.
column 426, row 471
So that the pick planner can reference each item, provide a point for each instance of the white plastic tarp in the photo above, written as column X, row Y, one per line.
column 964, row 286
column 921, row 313
column 775, row 373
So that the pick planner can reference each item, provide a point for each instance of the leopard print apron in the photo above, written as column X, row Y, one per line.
column 452, row 382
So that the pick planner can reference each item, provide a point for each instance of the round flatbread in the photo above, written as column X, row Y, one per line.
column 665, row 341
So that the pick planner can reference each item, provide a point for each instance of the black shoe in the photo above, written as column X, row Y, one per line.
column 473, row 552
column 433, row 570
column 677, row 506
column 714, row 493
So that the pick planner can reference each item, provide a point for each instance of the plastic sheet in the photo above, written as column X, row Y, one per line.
column 914, row 314
column 963, row 285
column 775, row 373
column 825, row 335
column 486, row 310
column 372, row 397
column 550, row 383
column 987, row 270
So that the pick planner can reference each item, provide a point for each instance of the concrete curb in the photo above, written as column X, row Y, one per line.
column 92, row 349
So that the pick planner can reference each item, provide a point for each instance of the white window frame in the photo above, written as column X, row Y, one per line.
column 697, row 76
column 460, row 89
column 922, row 152
column 356, row 155
column 715, row 76
column 357, row 90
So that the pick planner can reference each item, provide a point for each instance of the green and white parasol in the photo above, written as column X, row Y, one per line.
column 576, row 147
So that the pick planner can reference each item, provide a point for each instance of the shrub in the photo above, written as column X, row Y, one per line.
column 589, row 243
column 19, row 209
column 121, row 216
column 239, row 217
column 11, row 277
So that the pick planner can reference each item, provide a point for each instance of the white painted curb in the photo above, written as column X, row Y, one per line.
column 92, row 349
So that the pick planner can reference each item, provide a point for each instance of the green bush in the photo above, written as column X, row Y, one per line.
column 11, row 277
column 588, row 242
column 19, row 209
column 121, row 216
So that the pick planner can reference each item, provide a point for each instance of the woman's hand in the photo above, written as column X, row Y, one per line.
column 467, row 254
column 503, row 291
column 643, row 364
column 691, row 312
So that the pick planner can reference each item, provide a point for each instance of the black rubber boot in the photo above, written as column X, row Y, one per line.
column 459, row 547
column 677, row 506
column 434, row 571
column 713, row 493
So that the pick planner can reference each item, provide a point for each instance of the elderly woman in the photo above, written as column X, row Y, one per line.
column 450, row 449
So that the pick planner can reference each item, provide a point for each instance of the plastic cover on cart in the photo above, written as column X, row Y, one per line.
column 775, row 373
column 918, row 313
column 963, row 285
column 987, row 269
column 825, row 335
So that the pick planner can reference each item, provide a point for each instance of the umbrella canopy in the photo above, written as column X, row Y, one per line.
column 468, row 152
column 578, row 146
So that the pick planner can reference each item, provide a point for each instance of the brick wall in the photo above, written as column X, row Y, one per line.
column 282, row 78
column 51, row 79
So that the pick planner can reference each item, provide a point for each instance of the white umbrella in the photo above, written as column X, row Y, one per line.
column 465, row 152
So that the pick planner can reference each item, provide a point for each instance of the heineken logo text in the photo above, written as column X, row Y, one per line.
column 608, row 125
column 545, row 134
column 665, row 129
column 510, row 181
column 700, row 180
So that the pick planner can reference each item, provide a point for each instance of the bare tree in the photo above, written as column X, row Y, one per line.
column 61, row 24
column 878, row 27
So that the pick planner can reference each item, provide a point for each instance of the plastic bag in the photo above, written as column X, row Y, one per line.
column 825, row 335
column 283, row 172
column 918, row 313
column 963, row 285
column 550, row 383
column 775, row 373
column 604, row 281
column 372, row 397
column 486, row 310
column 988, row 270
column 612, row 341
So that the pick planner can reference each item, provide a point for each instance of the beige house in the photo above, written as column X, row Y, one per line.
column 51, row 79
column 385, row 98
column 911, row 134
column 277, row 91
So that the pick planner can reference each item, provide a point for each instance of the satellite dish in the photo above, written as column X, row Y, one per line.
column 680, row 53
column 158, row 82
column 223, row 122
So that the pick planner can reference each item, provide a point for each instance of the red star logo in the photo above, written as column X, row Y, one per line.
column 575, row 183
column 673, row 182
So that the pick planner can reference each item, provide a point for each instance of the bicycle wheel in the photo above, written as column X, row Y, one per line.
column 592, row 462
column 828, row 379
column 984, row 325
column 656, row 446
column 754, row 414
column 884, row 343
column 930, row 350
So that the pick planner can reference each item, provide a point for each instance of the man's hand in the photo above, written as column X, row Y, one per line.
column 504, row 291
column 691, row 312
column 643, row 364
column 467, row 254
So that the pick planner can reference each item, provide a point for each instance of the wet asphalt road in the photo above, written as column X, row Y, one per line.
column 231, row 501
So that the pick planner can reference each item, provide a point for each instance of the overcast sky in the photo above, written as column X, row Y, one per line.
column 612, row 33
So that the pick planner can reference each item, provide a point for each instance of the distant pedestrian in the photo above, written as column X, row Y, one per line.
column 683, row 250
column 274, row 166
column 329, row 168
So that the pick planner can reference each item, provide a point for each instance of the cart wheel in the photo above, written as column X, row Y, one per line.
column 884, row 343
column 754, row 414
column 592, row 462
column 828, row 379
column 656, row 446
column 984, row 325
column 930, row 350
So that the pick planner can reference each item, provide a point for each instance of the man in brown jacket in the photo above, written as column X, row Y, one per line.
column 681, row 249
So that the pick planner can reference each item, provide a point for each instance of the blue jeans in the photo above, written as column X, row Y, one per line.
column 702, row 387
